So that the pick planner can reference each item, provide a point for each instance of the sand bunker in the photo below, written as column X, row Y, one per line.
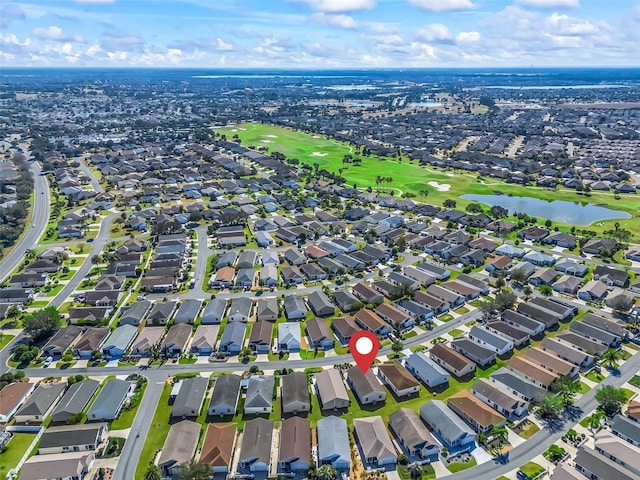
column 318, row 154
column 316, row 136
column 441, row 187
column 266, row 141
column 271, row 136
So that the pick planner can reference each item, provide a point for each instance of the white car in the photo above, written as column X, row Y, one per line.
column 47, row 362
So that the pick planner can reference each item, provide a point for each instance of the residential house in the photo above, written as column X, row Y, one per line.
column 596, row 466
column 232, row 338
column 72, row 465
column 477, row 414
column 294, row 455
column 189, row 400
column 214, row 311
column 90, row 342
column 533, row 372
column 552, row 362
column 40, row 403
column 188, row 311
column 267, row 309
column 493, row 341
column 72, row 438
column 474, row 351
column 175, row 342
column 452, row 361
column 134, row 314
column 255, row 451
column 398, row 319
column 368, row 320
column 452, row 299
column 344, row 328
column 319, row 335
column 333, row 443
column 294, row 307
column 367, row 294
column 63, row 340
column 517, row 336
column 240, row 309
column 320, row 304
column 119, row 341
column 412, row 436
column 204, row 339
column 110, row 401
column 567, row 352
column 594, row 290
column 148, row 338
column 398, row 379
column 516, row 384
column 295, row 393
column 611, row 276
column 451, row 431
column 626, row 429
column 332, row 393
column 426, row 370
column 217, row 447
column 12, row 398
column 365, row 386
column 595, row 334
column 224, row 398
column 75, row 400
column 500, row 399
column 260, row 393
column 289, row 337
column 260, row 338
column 526, row 324
column 179, row 447
column 374, row 442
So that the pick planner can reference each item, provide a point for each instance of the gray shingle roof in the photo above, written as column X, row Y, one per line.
column 75, row 400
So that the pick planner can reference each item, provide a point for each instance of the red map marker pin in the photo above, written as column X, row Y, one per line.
column 364, row 347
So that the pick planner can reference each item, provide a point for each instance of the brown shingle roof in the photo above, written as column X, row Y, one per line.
column 450, row 356
column 475, row 409
column 218, row 444
column 398, row 375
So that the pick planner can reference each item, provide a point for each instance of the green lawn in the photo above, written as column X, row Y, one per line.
column 594, row 376
column 531, row 469
column 125, row 420
column 427, row 472
column 461, row 310
column 16, row 448
column 458, row 467
column 158, row 433
column 413, row 178
column 446, row 317
column 584, row 388
column 456, row 332
column 5, row 338
column 635, row 381
column 529, row 430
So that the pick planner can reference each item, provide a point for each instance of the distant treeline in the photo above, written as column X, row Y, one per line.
column 12, row 219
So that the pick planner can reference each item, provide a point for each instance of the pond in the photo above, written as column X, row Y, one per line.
column 556, row 210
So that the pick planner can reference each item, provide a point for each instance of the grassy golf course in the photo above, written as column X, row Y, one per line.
column 410, row 177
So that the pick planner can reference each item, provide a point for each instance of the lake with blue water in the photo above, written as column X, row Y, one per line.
column 556, row 210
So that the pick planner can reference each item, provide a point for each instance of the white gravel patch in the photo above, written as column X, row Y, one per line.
column 318, row 154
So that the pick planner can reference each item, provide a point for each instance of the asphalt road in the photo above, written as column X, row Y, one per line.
column 96, row 247
column 84, row 169
column 38, row 224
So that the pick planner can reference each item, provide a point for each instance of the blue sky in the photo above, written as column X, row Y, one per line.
column 320, row 33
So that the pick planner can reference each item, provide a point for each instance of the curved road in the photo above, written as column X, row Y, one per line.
column 96, row 247
column 39, row 220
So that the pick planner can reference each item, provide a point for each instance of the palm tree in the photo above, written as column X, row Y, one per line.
column 193, row 470
column 501, row 435
column 612, row 357
column 327, row 472
column 595, row 420
column 153, row 472
column 415, row 470
column 550, row 406
column 30, row 254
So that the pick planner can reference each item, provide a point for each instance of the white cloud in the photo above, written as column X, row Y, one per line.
column 435, row 32
column 223, row 46
column 340, row 20
column 565, row 25
column 467, row 37
column 550, row 3
column 56, row 34
column 442, row 5
column 340, row 5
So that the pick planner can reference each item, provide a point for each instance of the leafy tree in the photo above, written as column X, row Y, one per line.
column 153, row 472
column 611, row 399
column 327, row 472
column 449, row 203
column 550, row 406
column 397, row 346
column 500, row 283
column 42, row 323
column 505, row 300
column 487, row 306
column 499, row 212
column 518, row 275
column 527, row 290
column 193, row 470
column 546, row 290
column 555, row 453
column 596, row 419
column 24, row 353
column 254, row 369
